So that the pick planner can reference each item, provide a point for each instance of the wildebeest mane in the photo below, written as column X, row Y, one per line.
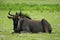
column 24, row 15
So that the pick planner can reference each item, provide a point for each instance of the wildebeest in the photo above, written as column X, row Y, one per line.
column 23, row 23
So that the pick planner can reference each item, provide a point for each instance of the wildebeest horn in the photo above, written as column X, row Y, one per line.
column 9, row 13
column 20, row 13
column 9, row 17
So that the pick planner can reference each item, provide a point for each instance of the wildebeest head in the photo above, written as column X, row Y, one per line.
column 16, row 18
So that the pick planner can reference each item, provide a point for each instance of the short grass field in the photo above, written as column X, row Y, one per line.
column 37, row 11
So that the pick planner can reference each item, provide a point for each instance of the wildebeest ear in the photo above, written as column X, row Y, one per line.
column 10, row 17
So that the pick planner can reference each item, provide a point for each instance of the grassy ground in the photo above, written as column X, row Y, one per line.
column 51, row 12
column 6, row 26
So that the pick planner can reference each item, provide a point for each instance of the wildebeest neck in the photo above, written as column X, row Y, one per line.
column 21, row 23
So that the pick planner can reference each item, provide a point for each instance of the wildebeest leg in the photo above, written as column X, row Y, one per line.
column 28, row 29
column 25, row 26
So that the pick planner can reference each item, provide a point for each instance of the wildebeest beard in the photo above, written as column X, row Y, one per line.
column 15, row 23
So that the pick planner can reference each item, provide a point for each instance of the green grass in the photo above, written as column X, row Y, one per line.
column 29, row 5
column 31, row 1
column 6, row 26
column 24, row 6
column 37, row 10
